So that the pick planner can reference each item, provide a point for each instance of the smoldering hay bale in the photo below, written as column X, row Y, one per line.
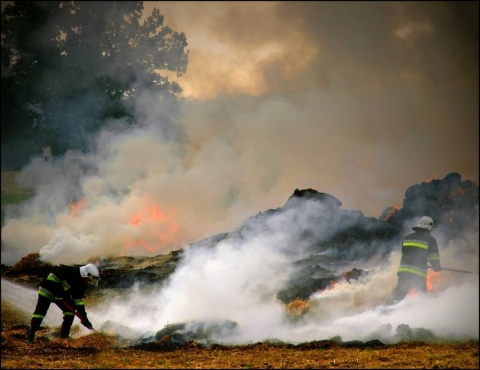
column 199, row 331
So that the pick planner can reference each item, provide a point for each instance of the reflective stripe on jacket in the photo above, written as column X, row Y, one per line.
column 418, row 249
column 63, row 282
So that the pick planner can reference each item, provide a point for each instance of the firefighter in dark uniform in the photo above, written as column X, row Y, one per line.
column 418, row 248
column 65, row 286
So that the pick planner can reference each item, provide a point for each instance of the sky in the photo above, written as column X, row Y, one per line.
column 356, row 99
column 360, row 100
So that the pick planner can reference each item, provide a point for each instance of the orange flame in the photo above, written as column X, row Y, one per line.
column 159, row 226
column 332, row 284
column 430, row 178
column 462, row 192
column 297, row 307
column 75, row 207
column 136, row 220
column 412, row 292
column 390, row 213
column 433, row 278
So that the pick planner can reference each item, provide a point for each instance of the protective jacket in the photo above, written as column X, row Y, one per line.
column 65, row 287
column 65, row 283
column 419, row 248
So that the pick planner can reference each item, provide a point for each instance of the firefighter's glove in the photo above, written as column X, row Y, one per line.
column 87, row 324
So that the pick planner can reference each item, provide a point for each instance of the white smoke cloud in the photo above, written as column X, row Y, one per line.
column 449, row 314
column 238, row 280
column 239, row 283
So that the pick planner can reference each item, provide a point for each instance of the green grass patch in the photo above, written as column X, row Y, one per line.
column 12, row 193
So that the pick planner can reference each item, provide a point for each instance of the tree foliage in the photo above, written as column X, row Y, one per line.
column 70, row 67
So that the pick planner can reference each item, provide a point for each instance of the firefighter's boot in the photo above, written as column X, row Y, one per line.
column 30, row 335
column 66, row 325
column 34, row 326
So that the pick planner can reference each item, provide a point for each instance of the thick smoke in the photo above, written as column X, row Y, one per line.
column 237, row 280
column 331, row 116
column 136, row 194
column 231, row 284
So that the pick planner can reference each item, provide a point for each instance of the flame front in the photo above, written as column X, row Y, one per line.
column 75, row 207
column 297, row 307
column 461, row 192
column 157, row 228
column 431, row 178
column 332, row 284
column 390, row 213
column 433, row 278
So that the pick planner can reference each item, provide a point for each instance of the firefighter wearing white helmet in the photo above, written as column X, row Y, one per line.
column 65, row 286
column 418, row 248
column 424, row 223
column 90, row 272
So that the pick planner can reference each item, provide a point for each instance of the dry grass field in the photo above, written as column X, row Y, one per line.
column 99, row 351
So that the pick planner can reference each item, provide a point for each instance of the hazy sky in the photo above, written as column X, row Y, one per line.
column 357, row 99
column 360, row 100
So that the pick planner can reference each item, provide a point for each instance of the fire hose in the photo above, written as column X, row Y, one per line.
column 457, row 270
column 82, row 319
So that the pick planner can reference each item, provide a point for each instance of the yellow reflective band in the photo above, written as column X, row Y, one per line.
column 412, row 271
column 80, row 303
column 68, row 313
column 45, row 293
column 65, row 285
column 35, row 316
column 415, row 244
column 52, row 277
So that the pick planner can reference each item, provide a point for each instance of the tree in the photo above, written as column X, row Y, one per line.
column 70, row 67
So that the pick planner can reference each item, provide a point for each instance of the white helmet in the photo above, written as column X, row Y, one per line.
column 90, row 272
column 424, row 223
